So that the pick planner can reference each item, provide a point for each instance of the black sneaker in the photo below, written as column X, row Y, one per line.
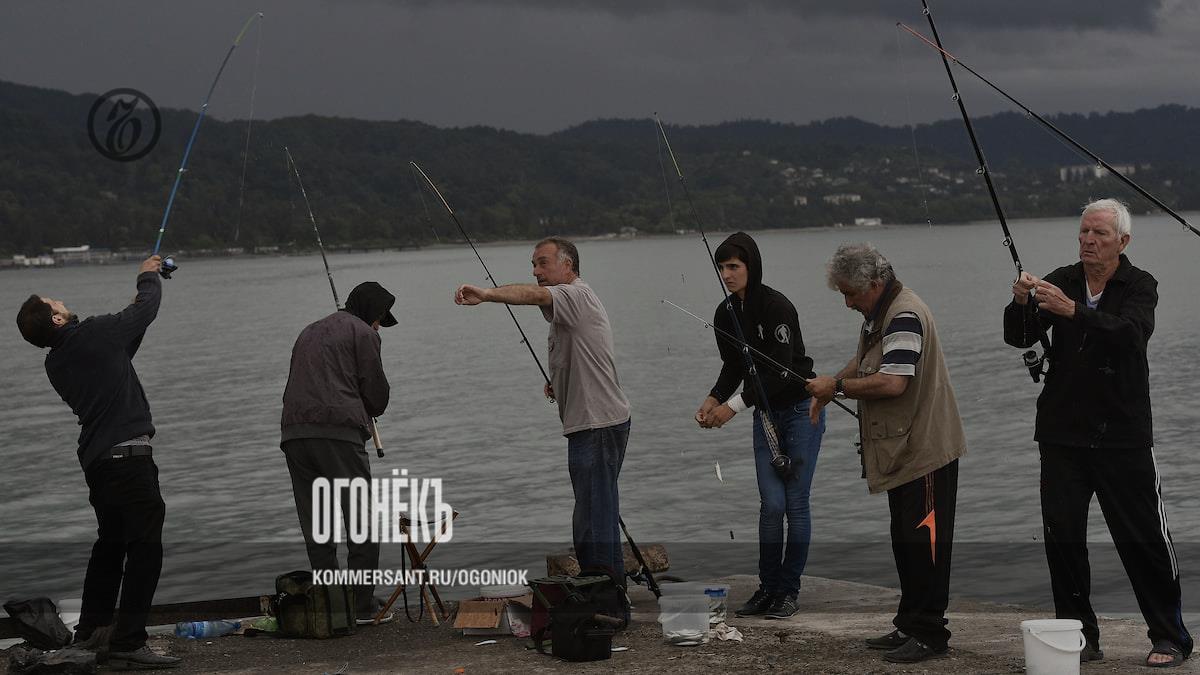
column 141, row 659
column 892, row 640
column 758, row 603
column 1090, row 652
column 783, row 607
column 913, row 651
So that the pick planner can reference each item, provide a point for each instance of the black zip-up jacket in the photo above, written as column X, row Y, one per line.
column 1097, row 391
column 770, row 325
column 90, row 365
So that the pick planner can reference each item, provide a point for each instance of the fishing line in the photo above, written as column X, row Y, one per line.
column 237, row 228
column 666, row 184
column 947, row 57
column 912, row 129
column 329, row 275
column 463, row 231
column 168, row 264
column 424, row 205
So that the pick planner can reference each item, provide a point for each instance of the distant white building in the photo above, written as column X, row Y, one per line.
column 842, row 198
column 868, row 222
column 799, row 200
column 1078, row 172
column 71, row 255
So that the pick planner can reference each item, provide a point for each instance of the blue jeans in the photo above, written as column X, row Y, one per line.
column 780, row 565
column 594, row 458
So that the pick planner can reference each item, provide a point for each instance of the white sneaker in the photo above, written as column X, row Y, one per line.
column 387, row 618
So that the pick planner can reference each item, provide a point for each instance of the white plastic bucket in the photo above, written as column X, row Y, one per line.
column 1052, row 646
column 684, row 619
column 716, row 594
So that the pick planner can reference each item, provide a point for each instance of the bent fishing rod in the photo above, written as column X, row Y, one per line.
column 1033, row 361
column 779, row 460
column 1046, row 123
column 169, row 265
column 336, row 303
column 784, row 371
column 463, row 231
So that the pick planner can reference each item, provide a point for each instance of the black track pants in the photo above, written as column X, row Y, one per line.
column 922, row 537
column 1126, row 483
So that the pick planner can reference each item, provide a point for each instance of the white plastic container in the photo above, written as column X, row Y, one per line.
column 1052, row 646
column 684, row 619
column 717, row 595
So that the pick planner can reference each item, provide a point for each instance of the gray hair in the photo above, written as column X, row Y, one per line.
column 857, row 265
column 566, row 251
column 1119, row 211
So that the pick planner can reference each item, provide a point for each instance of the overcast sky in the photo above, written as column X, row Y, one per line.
column 543, row 65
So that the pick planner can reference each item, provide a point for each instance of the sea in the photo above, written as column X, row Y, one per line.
column 467, row 408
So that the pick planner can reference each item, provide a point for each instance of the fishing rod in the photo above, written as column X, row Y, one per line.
column 779, row 461
column 1033, row 361
column 784, row 371
column 1046, row 123
column 329, row 275
column 466, row 236
column 168, row 265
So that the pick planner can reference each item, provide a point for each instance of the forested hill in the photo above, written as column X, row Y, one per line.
column 595, row 178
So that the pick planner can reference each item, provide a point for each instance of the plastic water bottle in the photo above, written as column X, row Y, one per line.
column 195, row 630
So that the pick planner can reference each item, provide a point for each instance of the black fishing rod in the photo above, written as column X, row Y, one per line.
column 779, row 461
column 1058, row 132
column 1033, row 361
column 784, row 371
column 329, row 275
column 492, row 279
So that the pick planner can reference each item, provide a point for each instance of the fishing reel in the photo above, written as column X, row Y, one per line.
column 782, row 465
column 168, row 267
column 1035, row 363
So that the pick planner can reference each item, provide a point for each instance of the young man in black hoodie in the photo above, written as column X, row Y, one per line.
column 336, row 384
column 90, row 365
column 769, row 323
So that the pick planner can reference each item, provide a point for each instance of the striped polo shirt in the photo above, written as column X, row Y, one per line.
column 901, row 344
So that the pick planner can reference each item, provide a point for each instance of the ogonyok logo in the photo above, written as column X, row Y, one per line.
column 373, row 510
column 124, row 124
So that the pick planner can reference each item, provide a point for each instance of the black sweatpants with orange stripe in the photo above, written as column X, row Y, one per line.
column 922, row 537
column 1125, row 481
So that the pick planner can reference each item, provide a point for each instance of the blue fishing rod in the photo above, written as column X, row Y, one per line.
column 168, row 265
column 779, row 460
column 329, row 275
column 1036, row 363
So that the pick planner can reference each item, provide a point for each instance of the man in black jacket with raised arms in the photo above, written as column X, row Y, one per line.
column 1094, row 428
column 90, row 365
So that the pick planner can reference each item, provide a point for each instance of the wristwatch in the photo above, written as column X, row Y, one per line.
column 838, row 388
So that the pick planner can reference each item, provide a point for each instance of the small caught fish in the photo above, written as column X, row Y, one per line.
column 717, row 466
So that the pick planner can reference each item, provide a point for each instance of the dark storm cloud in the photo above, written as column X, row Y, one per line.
column 543, row 65
column 1052, row 14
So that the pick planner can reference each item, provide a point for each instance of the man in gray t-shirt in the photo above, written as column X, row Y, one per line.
column 583, row 379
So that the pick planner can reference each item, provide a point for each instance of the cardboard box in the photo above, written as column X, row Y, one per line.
column 495, row 616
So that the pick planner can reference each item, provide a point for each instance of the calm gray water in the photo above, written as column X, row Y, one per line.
column 467, row 405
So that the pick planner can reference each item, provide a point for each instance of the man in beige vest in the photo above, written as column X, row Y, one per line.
column 912, row 438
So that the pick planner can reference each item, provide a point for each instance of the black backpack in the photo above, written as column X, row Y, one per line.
column 581, row 614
